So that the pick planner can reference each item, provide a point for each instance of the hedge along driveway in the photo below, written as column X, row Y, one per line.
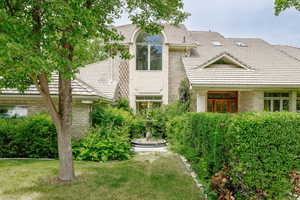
column 259, row 150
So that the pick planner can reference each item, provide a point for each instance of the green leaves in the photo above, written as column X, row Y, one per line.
column 281, row 5
column 32, row 137
column 103, row 144
column 256, row 150
column 33, row 34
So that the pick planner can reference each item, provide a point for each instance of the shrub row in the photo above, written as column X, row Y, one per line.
column 245, row 156
column 32, row 137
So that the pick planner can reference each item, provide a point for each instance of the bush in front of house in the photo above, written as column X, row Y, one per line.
column 118, row 119
column 245, row 156
column 103, row 144
column 200, row 138
column 263, row 149
column 161, row 116
column 31, row 137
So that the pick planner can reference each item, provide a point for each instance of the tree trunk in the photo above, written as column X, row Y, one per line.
column 66, row 168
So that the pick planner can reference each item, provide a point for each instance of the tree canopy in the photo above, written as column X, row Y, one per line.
column 281, row 5
column 41, row 37
column 85, row 25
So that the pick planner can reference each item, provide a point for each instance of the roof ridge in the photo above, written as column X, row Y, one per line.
column 279, row 45
column 289, row 55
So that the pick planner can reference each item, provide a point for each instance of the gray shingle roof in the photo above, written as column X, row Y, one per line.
column 102, row 76
column 290, row 51
column 79, row 88
column 270, row 66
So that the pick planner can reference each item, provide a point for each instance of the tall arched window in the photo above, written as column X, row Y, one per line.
column 149, row 52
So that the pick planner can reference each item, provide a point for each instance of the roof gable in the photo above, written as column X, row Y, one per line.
column 224, row 58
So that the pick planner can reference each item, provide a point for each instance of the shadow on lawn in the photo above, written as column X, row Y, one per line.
column 162, row 179
column 89, row 181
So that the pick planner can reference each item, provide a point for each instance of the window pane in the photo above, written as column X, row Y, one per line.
column 276, row 105
column 267, row 106
column 148, row 38
column 156, row 57
column 156, row 104
column 285, row 105
column 210, row 106
column 142, row 57
column 298, row 105
column 218, row 107
column 13, row 111
column 224, row 107
column 274, row 94
column 232, row 107
column 4, row 112
column 221, row 95
column 158, row 98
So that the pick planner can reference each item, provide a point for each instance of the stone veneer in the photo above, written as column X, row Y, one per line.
column 250, row 101
column 81, row 112
column 176, row 74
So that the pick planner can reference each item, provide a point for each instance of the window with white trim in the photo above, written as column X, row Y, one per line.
column 148, row 102
column 276, row 101
column 298, row 102
column 149, row 52
column 13, row 111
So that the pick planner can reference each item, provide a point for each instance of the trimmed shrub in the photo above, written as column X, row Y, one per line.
column 199, row 137
column 245, row 156
column 103, row 144
column 263, row 150
column 32, row 137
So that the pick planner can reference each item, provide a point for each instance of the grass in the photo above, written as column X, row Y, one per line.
column 155, row 176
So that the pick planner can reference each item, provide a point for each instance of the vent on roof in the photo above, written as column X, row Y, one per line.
column 241, row 44
column 217, row 43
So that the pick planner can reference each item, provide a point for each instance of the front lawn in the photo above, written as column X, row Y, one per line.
column 155, row 176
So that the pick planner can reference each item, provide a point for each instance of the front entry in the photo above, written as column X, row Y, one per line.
column 222, row 102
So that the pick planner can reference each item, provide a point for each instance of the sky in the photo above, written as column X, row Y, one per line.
column 242, row 18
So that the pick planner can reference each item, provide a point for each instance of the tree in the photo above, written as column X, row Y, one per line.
column 41, row 37
column 281, row 5
column 185, row 94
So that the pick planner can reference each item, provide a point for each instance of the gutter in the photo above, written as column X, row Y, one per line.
column 248, row 86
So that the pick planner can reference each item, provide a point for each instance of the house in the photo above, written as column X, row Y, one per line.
column 225, row 75
column 14, row 103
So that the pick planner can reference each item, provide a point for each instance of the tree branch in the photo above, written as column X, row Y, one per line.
column 42, row 85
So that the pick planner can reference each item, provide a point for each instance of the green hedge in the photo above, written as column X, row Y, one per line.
column 253, row 152
column 32, row 137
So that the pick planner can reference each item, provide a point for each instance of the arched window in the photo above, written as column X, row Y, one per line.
column 149, row 52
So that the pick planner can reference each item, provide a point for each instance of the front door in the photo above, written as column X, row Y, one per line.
column 222, row 102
